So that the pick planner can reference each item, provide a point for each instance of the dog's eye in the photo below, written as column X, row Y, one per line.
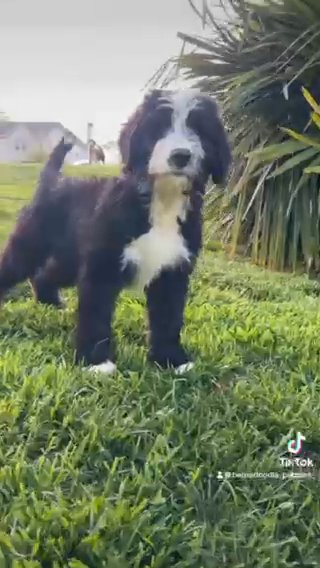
column 198, row 123
column 159, row 120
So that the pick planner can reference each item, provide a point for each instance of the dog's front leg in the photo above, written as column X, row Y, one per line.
column 166, row 297
column 98, row 290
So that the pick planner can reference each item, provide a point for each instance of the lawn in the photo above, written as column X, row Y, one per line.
column 121, row 472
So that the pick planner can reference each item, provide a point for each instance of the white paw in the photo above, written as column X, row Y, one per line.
column 106, row 368
column 185, row 368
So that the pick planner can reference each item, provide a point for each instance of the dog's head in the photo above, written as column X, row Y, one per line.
column 177, row 134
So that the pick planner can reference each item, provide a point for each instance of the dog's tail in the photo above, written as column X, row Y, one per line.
column 50, row 174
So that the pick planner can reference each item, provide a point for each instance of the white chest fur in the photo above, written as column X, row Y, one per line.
column 163, row 246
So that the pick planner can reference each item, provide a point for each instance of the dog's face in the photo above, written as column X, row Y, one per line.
column 176, row 134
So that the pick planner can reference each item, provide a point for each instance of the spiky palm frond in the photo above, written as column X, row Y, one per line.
column 257, row 62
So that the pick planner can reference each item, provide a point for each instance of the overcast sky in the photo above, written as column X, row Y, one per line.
column 75, row 61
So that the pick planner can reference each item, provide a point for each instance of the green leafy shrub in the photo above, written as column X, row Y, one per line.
column 256, row 61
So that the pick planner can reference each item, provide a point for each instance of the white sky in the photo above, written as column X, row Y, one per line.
column 75, row 61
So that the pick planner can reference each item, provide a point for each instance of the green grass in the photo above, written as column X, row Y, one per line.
column 121, row 471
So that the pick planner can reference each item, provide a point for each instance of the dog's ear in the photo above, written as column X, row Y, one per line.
column 216, row 143
column 129, row 130
column 126, row 133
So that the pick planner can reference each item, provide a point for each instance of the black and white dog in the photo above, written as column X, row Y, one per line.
column 141, row 229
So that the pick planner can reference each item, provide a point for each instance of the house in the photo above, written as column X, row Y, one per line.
column 32, row 141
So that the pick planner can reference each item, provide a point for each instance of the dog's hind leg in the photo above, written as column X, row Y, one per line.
column 55, row 274
column 43, row 284
column 28, row 246
column 24, row 252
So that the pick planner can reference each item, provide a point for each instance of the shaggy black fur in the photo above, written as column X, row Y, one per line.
column 75, row 230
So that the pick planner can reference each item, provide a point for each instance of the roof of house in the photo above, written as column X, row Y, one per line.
column 39, row 129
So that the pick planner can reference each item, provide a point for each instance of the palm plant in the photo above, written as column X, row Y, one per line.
column 256, row 61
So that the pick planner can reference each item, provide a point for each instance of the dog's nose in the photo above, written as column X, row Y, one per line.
column 180, row 157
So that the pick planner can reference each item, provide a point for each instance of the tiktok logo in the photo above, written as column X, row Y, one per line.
column 295, row 446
